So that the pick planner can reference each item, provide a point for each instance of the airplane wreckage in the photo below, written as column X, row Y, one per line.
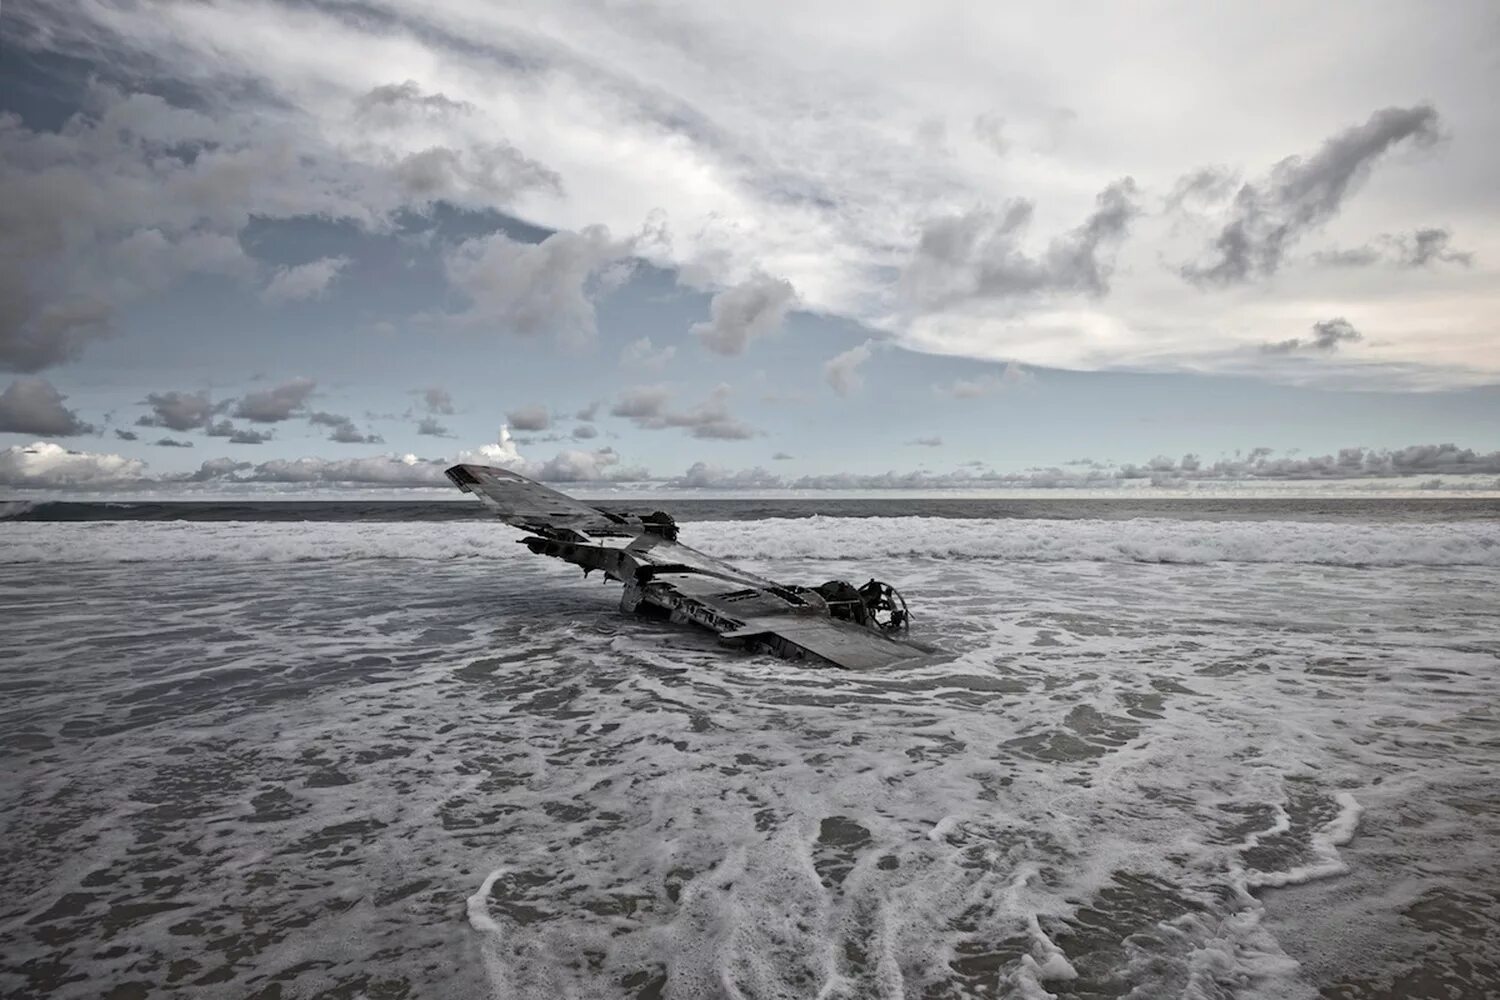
column 857, row 628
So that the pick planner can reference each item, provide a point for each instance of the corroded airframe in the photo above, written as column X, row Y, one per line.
column 847, row 626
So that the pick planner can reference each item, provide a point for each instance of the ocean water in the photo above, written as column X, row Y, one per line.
column 1171, row 752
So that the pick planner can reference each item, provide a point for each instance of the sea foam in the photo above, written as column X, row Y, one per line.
column 1183, row 542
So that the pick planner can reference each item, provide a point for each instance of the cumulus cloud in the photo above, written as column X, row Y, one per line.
column 980, row 255
column 34, row 406
column 216, row 468
column 431, row 427
column 1327, row 335
column 643, row 354
column 588, row 413
column 274, row 405
column 236, row 435
column 342, row 429
column 842, row 371
column 125, row 435
column 135, row 193
column 754, row 308
column 585, row 432
column 168, row 442
column 989, row 383
column 179, row 411
column 648, row 407
column 531, row 417
column 701, row 475
column 531, row 289
column 1347, row 463
column 303, row 281
column 45, row 464
column 377, row 470
column 1268, row 216
column 1258, row 465
column 567, row 466
column 472, row 175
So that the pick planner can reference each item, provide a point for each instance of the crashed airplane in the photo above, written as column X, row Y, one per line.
column 857, row 628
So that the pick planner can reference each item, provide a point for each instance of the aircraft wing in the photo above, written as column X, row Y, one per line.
column 841, row 643
column 529, row 505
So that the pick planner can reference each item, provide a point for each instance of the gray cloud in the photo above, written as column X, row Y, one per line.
column 643, row 354
column 136, row 193
column 1327, row 335
column 431, row 427
column 411, row 471
column 585, row 432
column 343, row 429
column 236, row 435
column 989, row 128
column 754, row 308
column 124, row 435
column 988, row 383
column 531, row 417
column 34, row 406
column 179, row 411
column 35, row 336
column 1419, row 248
column 303, row 281
column 408, row 97
column 1210, row 184
column 842, row 371
column 1258, row 465
column 168, row 442
column 1268, row 216
column 437, row 400
column 377, row 470
column 648, row 408
column 274, row 405
column 473, row 175
column 979, row 254
column 530, row 289
column 701, row 475
column 926, row 442
column 781, row 456
column 114, row 207
column 588, row 413
column 1347, row 463
column 217, row 468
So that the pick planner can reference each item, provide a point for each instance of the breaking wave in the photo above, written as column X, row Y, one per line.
column 1154, row 540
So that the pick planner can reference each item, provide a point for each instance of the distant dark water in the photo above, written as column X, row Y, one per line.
column 1218, row 509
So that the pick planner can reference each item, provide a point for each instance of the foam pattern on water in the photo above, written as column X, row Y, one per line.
column 300, row 768
column 1143, row 540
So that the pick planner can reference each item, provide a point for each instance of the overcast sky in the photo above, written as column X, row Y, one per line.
column 746, row 244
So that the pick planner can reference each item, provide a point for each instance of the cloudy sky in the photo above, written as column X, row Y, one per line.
column 746, row 245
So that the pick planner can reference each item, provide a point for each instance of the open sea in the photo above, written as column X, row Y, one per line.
column 356, row 749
